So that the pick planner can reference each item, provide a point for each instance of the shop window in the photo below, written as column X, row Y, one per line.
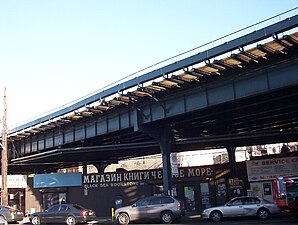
column 157, row 190
column 52, row 198
column 267, row 188
column 205, row 195
column 62, row 198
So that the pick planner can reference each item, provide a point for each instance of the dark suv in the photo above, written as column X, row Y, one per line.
column 163, row 208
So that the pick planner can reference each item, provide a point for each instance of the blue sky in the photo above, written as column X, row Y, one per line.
column 56, row 51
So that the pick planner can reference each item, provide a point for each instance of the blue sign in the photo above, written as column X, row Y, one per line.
column 57, row 180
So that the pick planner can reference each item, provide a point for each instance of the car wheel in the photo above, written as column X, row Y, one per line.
column 167, row 217
column 35, row 220
column 123, row 219
column 70, row 220
column 216, row 216
column 263, row 213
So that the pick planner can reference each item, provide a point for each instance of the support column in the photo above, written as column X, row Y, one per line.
column 163, row 136
column 232, row 161
column 85, row 169
column 100, row 166
column 165, row 147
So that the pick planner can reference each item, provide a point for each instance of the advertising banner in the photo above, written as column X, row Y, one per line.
column 15, row 181
column 270, row 169
column 57, row 180
column 139, row 178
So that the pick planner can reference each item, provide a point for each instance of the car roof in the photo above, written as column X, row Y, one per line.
column 243, row 197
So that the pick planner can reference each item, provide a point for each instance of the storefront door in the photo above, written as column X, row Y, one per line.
column 190, row 198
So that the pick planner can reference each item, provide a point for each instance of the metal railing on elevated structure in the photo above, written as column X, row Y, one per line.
column 97, row 102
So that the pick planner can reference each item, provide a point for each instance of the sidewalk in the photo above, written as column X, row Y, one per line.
column 192, row 217
column 25, row 221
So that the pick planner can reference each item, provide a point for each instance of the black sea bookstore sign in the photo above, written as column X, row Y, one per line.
column 137, row 178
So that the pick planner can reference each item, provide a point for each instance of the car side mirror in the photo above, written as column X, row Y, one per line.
column 134, row 205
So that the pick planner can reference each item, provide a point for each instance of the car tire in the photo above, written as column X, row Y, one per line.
column 35, row 220
column 70, row 220
column 123, row 219
column 167, row 217
column 263, row 213
column 215, row 216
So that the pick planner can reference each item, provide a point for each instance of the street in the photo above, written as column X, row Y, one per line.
column 246, row 221
column 192, row 220
column 238, row 221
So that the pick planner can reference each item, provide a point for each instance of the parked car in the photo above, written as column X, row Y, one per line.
column 3, row 221
column 163, row 208
column 70, row 214
column 242, row 206
column 10, row 214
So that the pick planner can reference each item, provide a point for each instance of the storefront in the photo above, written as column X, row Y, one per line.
column 261, row 174
column 16, row 185
column 54, row 187
column 198, row 187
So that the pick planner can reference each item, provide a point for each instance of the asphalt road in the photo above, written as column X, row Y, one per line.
column 245, row 221
column 192, row 220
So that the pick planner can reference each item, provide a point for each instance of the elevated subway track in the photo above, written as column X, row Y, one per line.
column 245, row 99
column 260, row 119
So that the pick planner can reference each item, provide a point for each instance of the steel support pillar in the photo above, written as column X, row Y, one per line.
column 232, row 161
column 85, row 169
column 165, row 147
column 163, row 136
column 100, row 166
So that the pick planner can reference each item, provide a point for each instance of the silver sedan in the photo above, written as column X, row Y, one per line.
column 242, row 206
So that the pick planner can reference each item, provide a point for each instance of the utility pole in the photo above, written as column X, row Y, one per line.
column 4, row 193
